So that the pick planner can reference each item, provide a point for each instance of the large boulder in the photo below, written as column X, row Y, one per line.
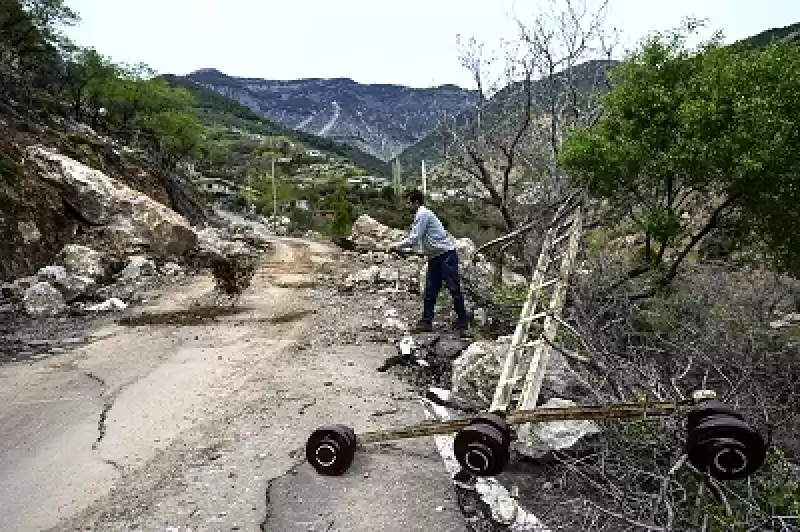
column 42, row 299
column 368, row 232
column 104, row 202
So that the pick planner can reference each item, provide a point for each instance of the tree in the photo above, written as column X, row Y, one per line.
column 692, row 141
column 503, row 152
column 342, row 214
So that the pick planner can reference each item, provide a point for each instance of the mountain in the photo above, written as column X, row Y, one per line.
column 588, row 77
column 216, row 109
column 381, row 120
column 788, row 33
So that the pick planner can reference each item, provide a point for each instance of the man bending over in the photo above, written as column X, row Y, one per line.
column 428, row 232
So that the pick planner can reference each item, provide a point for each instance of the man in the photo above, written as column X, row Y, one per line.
column 428, row 231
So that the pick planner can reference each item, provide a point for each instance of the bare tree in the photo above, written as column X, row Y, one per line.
column 531, row 92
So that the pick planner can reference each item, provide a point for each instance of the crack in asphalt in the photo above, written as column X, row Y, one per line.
column 95, row 378
column 101, row 423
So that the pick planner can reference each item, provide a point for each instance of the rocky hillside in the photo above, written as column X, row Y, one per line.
column 215, row 110
column 589, row 77
column 379, row 119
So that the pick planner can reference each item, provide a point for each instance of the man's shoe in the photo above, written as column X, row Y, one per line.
column 422, row 326
column 462, row 330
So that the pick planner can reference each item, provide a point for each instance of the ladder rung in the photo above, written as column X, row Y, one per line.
column 537, row 316
column 526, row 344
column 545, row 284
column 561, row 239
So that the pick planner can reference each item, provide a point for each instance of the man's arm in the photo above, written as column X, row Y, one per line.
column 417, row 230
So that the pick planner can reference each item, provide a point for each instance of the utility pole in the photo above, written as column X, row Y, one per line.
column 424, row 181
column 274, row 192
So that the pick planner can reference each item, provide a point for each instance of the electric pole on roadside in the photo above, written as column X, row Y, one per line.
column 424, row 182
column 274, row 191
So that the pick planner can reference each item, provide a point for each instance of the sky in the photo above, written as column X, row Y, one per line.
column 406, row 42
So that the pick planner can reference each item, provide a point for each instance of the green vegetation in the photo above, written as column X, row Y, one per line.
column 694, row 140
column 42, row 70
column 218, row 112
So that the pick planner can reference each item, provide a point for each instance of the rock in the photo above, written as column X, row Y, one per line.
column 52, row 273
column 108, row 305
column 29, row 232
column 450, row 349
column 366, row 276
column 42, row 299
column 538, row 439
column 172, row 269
column 138, row 265
column 368, row 232
column 476, row 370
column 103, row 201
column 74, row 287
column 16, row 289
column 71, row 287
column 387, row 275
column 82, row 261
column 212, row 244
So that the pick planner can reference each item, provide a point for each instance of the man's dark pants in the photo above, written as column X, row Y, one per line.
column 444, row 269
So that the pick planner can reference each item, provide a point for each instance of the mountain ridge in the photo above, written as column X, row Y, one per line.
column 379, row 119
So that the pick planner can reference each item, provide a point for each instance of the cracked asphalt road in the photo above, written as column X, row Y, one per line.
column 165, row 427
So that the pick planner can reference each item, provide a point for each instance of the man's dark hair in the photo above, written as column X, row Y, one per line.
column 415, row 196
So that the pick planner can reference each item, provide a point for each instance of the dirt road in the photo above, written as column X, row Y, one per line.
column 183, row 422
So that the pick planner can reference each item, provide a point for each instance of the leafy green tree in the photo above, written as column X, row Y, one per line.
column 31, row 39
column 177, row 134
column 695, row 140
column 343, row 214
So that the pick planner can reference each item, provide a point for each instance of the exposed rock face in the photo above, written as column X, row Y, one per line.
column 132, row 219
column 34, row 222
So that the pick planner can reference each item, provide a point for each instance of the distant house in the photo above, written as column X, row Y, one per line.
column 301, row 204
column 219, row 186
column 315, row 153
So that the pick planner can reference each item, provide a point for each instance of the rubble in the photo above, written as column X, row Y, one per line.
column 74, row 287
column 536, row 440
column 368, row 232
column 82, row 261
column 138, row 265
column 477, row 369
column 42, row 299
column 109, row 305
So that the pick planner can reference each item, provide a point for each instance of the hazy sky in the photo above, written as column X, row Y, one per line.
column 409, row 42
